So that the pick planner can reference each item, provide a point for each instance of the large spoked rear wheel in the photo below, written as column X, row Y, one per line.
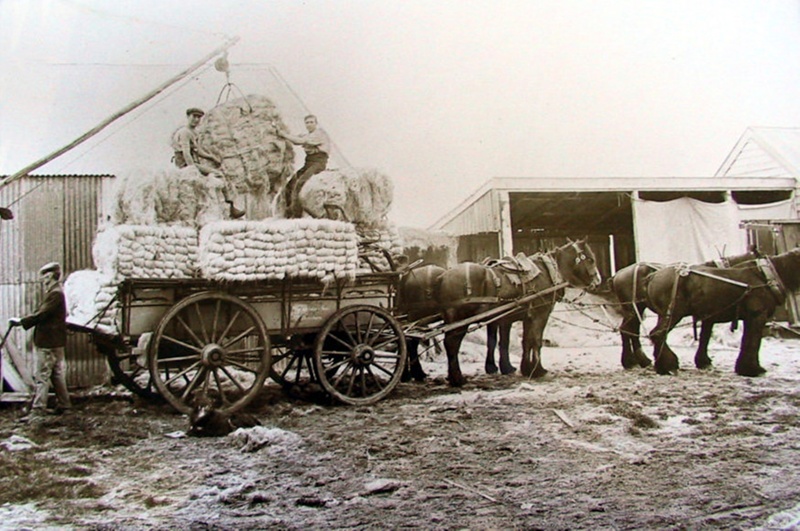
column 360, row 354
column 210, row 349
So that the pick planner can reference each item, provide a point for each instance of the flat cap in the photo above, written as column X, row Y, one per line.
column 52, row 267
column 194, row 110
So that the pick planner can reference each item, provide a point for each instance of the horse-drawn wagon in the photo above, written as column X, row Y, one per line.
column 196, row 341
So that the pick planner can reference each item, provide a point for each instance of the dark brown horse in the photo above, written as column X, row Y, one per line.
column 629, row 286
column 749, row 292
column 416, row 299
column 469, row 289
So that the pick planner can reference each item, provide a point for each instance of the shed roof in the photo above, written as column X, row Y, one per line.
column 549, row 185
column 764, row 152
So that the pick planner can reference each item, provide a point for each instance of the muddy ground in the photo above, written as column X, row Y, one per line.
column 591, row 446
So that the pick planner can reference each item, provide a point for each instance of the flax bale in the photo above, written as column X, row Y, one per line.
column 134, row 198
column 374, row 243
column 278, row 248
column 360, row 195
column 90, row 300
column 146, row 251
column 242, row 133
column 173, row 196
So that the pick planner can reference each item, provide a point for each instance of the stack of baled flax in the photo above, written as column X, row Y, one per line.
column 146, row 251
column 90, row 300
column 276, row 249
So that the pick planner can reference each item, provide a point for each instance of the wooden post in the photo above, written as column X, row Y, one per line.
column 506, row 235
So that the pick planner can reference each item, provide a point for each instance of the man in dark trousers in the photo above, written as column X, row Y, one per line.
column 317, row 146
column 188, row 152
column 49, row 324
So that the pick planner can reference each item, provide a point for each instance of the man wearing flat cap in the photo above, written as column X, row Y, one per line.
column 49, row 323
column 188, row 152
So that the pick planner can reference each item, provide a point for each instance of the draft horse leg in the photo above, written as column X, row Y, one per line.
column 491, row 343
column 701, row 358
column 505, row 343
column 632, row 353
column 666, row 360
column 748, row 364
column 452, row 345
column 532, row 339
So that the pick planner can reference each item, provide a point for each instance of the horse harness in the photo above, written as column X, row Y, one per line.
column 765, row 266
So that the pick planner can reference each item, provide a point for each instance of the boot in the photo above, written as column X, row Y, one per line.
column 235, row 212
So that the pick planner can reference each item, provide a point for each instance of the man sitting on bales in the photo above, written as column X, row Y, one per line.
column 317, row 146
column 188, row 152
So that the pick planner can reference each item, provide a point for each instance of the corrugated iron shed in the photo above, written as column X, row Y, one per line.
column 55, row 219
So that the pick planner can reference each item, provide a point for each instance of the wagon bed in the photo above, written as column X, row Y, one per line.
column 204, row 342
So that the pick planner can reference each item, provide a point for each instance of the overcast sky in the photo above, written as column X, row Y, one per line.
column 440, row 95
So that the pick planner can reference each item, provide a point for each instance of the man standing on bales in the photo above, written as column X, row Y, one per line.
column 189, row 153
column 49, row 324
column 317, row 146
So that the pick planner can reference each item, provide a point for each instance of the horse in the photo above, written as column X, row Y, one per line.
column 416, row 298
column 469, row 289
column 749, row 292
column 629, row 286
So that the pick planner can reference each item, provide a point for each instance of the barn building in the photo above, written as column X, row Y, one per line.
column 627, row 219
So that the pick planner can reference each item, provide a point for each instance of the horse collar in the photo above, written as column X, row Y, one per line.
column 552, row 269
column 774, row 283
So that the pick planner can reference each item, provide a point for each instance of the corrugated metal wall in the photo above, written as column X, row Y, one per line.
column 55, row 219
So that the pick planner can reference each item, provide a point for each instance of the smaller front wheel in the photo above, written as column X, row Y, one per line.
column 360, row 354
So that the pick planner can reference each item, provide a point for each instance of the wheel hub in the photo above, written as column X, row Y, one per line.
column 363, row 355
column 213, row 355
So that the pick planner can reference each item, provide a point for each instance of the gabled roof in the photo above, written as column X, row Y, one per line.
column 764, row 152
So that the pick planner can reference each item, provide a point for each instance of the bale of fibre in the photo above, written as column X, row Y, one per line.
column 173, row 196
column 374, row 244
column 278, row 248
column 144, row 251
column 242, row 133
column 360, row 195
column 91, row 300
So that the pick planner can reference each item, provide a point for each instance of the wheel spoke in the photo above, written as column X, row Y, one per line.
column 181, row 343
column 377, row 335
column 300, row 359
column 164, row 361
column 336, row 364
column 240, row 366
column 229, row 325
column 193, row 383
column 215, row 321
column 382, row 346
column 339, row 340
column 225, row 400
column 353, row 341
column 234, row 380
column 238, row 338
column 186, row 327
column 168, row 381
column 384, row 369
column 375, row 378
column 246, row 350
column 202, row 323
column 369, row 327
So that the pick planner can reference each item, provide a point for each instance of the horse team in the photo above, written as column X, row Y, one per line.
column 747, row 288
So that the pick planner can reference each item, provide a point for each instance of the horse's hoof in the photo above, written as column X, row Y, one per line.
column 456, row 381
column 704, row 366
column 645, row 363
column 508, row 370
column 666, row 371
column 491, row 369
column 751, row 372
column 628, row 365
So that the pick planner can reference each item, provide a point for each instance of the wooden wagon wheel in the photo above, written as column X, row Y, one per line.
column 360, row 354
column 292, row 366
column 127, row 370
column 212, row 349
